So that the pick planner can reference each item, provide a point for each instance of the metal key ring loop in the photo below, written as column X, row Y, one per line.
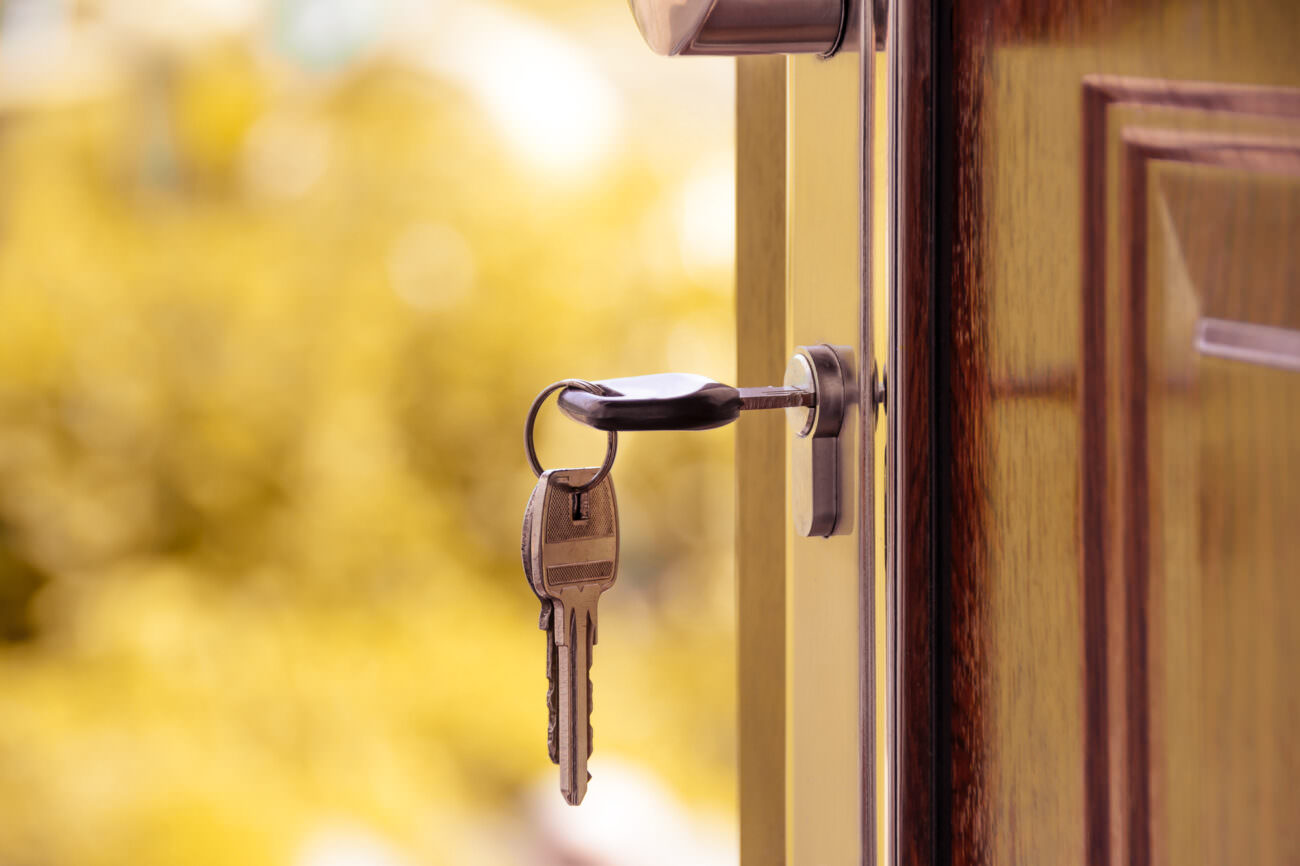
column 610, row 450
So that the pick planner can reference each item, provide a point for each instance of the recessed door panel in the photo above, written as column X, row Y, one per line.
column 1111, row 329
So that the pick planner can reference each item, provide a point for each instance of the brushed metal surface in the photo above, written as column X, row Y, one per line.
column 740, row 27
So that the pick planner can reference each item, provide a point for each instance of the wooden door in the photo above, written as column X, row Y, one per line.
column 1095, row 419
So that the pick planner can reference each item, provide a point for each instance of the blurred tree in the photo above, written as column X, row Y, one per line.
column 265, row 343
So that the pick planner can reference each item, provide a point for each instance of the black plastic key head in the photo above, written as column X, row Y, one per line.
column 664, row 401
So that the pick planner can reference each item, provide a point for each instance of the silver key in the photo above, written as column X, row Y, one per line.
column 573, row 558
column 545, row 621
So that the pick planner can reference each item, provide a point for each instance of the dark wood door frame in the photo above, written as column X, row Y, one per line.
column 917, row 602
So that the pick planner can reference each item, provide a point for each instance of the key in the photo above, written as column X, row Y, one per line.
column 573, row 556
column 545, row 621
column 674, row 401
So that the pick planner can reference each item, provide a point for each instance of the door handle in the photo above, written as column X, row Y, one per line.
column 736, row 27
column 818, row 391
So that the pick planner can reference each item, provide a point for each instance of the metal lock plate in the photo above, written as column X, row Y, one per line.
column 815, row 497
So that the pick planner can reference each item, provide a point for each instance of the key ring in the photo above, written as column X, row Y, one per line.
column 610, row 450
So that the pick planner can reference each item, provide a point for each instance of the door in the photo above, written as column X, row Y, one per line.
column 810, row 610
column 1095, row 413
column 1080, row 648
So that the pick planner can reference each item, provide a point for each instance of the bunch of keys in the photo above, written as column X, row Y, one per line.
column 570, row 554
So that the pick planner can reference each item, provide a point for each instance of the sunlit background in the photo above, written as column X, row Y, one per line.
column 278, row 281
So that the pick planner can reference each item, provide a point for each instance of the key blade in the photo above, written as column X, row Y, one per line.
column 530, row 552
column 576, row 559
column 552, row 698
column 575, row 699
column 775, row 398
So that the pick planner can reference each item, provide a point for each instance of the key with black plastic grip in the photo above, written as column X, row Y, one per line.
column 570, row 552
column 672, row 401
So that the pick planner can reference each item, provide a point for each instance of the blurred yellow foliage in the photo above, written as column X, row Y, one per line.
column 264, row 354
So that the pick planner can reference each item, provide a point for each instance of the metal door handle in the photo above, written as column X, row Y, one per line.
column 735, row 27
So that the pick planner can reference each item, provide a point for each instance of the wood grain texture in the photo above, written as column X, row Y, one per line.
column 964, row 476
column 1045, row 651
column 1117, row 751
column 760, row 456
column 1162, row 375
column 910, row 406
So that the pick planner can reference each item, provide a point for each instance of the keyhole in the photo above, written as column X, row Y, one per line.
column 581, row 506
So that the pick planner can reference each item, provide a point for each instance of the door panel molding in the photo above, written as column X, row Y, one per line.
column 1115, row 556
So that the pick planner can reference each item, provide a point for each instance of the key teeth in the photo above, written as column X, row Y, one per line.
column 552, row 702
column 591, row 705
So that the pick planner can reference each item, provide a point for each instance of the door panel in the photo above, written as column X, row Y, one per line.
column 1184, row 180
column 809, row 617
column 824, row 588
column 1212, row 496
column 1108, row 431
column 760, row 457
